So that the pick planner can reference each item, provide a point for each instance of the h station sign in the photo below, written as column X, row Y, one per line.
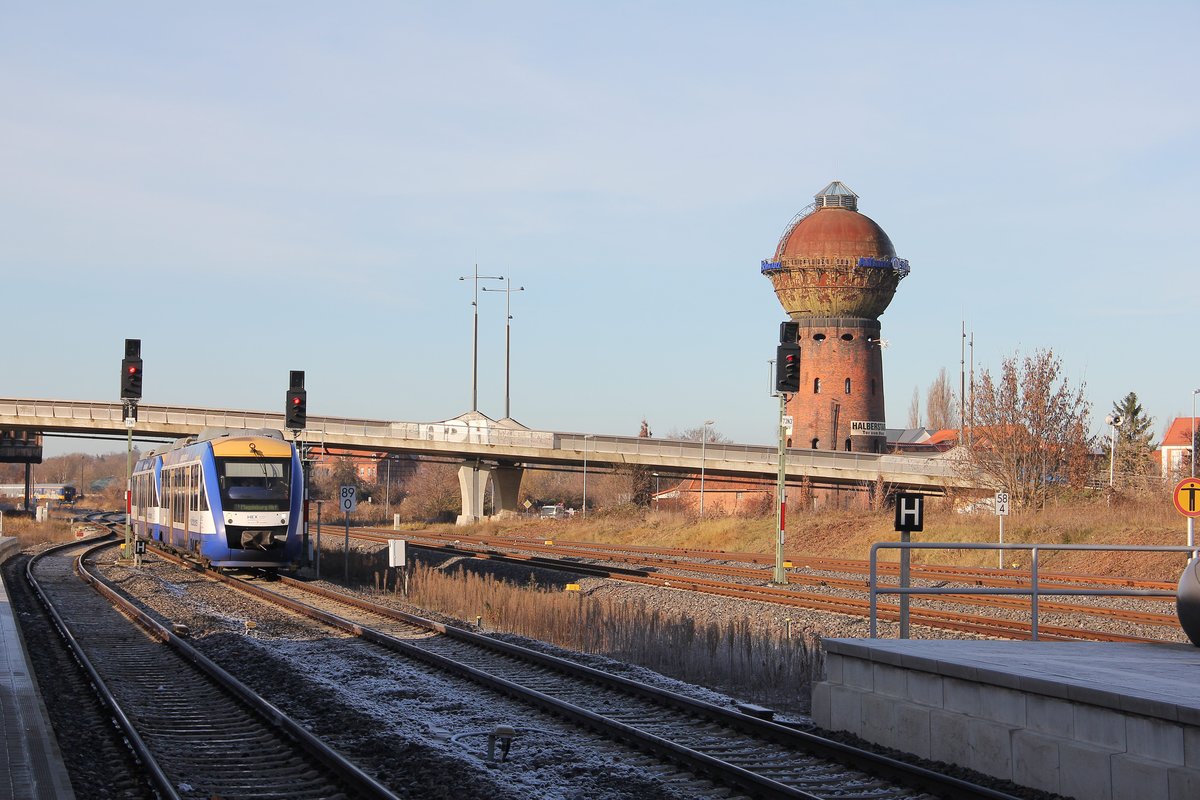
column 910, row 512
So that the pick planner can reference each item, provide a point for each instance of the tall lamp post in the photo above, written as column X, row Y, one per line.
column 508, row 290
column 585, row 449
column 1191, row 523
column 475, row 341
column 1114, row 421
column 703, row 441
column 1192, row 443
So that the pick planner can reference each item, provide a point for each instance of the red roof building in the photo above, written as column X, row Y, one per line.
column 1175, row 451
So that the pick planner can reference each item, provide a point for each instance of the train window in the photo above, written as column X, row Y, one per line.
column 258, row 484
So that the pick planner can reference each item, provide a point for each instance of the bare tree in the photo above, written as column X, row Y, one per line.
column 696, row 434
column 432, row 492
column 641, row 485
column 1031, row 428
column 940, row 409
column 914, row 410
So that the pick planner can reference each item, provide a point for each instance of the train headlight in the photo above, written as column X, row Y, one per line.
column 283, row 520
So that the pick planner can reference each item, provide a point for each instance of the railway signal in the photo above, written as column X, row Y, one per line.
column 788, row 331
column 131, row 370
column 787, row 368
column 296, row 408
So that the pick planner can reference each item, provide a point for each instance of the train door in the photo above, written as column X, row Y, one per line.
column 179, row 507
column 185, row 503
column 193, row 494
column 170, row 505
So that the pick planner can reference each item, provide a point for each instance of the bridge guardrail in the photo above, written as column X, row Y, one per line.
column 486, row 433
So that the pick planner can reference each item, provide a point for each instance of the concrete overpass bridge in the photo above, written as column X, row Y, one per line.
column 498, row 450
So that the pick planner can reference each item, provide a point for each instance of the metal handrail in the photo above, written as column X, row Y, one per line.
column 1033, row 591
column 932, row 469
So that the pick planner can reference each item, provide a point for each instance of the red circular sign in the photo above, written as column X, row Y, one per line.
column 1187, row 497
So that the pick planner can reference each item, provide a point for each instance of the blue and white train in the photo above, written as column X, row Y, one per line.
column 232, row 498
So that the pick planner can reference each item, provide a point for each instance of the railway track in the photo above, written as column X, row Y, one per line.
column 702, row 559
column 753, row 756
column 197, row 732
column 681, row 575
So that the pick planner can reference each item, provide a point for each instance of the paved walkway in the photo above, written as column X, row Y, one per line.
column 31, row 766
column 1157, row 680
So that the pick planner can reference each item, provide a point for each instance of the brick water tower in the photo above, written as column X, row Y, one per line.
column 834, row 272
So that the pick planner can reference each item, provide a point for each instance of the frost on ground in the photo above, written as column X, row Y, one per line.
column 412, row 727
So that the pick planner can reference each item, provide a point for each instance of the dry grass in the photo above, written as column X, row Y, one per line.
column 753, row 663
column 30, row 533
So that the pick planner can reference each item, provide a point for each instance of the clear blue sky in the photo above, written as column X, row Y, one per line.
column 251, row 188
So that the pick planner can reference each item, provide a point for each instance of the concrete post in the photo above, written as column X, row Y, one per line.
column 506, row 479
column 472, row 482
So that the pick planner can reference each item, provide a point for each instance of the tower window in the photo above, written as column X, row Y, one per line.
column 847, row 445
column 872, row 387
column 847, row 337
column 847, row 386
column 816, row 385
column 818, row 337
column 815, row 442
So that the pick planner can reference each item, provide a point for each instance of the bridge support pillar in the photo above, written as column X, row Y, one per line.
column 507, row 482
column 473, row 481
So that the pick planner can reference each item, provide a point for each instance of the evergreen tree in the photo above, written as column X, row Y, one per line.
column 1134, row 438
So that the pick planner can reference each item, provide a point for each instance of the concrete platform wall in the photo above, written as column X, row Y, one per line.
column 1070, row 747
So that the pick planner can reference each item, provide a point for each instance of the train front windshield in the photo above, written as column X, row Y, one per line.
column 257, row 484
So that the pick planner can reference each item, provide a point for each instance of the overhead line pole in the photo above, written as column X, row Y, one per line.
column 508, row 290
column 781, row 492
column 475, row 339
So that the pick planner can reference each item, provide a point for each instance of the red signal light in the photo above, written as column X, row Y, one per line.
column 787, row 368
column 131, row 378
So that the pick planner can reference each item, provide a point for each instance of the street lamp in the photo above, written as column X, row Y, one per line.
column 1114, row 421
column 508, row 290
column 703, row 440
column 585, row 449
column 475, row 341
column 1191, row 523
